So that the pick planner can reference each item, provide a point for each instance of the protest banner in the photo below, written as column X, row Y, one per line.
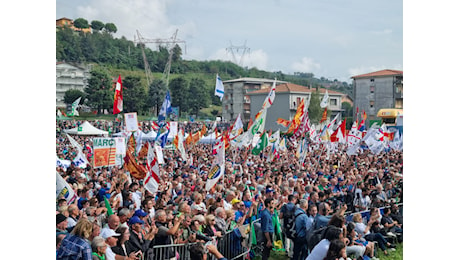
column 104, row 152
column 131, row 121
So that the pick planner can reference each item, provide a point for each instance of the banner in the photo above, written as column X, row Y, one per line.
column 159, row 152
column 131, row 122
column 64, row 190
column 105, row 150
column 173, row 126
column 62, row 163
column 80, row 160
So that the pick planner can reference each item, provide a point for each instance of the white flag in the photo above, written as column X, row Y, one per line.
column 270, row 97
column 237, row 128
column 217, row 171
column 75, row 106
column 219, row 91
column 62, row 163
column 180, row 145
column 153, row 172
column 63, row 189
column 80, row 160
column 325, row 100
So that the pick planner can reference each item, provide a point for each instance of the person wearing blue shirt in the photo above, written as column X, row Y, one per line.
column 300, row 241
column 267, row 227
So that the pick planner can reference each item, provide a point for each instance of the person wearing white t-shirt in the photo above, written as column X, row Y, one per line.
column 319, row 252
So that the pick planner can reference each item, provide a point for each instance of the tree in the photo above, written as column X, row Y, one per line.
column 81, row 23
column 97, row 25
column 133, row 94
column 110, row 28
column 179, row 93
column 314, row 110
column 72, row 94
column 199, row 97
column 100, row 90
column 348, row 109
column 156, row 95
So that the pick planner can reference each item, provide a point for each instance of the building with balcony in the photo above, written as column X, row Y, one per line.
column 376, row 90
column 70, row 76
column 287, row 98
column 236, row 101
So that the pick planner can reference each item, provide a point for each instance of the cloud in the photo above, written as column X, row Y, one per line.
column 382, row 32
column 257, row 58
column 306, row 65
column 147, row 16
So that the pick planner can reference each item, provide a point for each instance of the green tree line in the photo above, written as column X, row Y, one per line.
column 192, row 82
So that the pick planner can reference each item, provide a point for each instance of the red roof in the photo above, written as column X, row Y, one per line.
column 380, row 73
column 290, row 87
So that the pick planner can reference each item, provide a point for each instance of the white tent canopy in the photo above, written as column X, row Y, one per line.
column 86, row 129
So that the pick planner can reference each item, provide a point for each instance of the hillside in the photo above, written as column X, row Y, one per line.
column 121, row 56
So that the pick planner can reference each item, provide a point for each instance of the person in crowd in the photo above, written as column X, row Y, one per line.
column 98, row 246
column 336, row 250
column 300, row 241
column 221, row 224
column 199, row 251
column 364, row 231
column 267, row 227
column 319, row 252
column 76, row 244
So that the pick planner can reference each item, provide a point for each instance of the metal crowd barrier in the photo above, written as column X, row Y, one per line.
column 233, row 245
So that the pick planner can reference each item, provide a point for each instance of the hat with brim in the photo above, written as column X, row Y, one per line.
column 107, row 232
column 135, row 220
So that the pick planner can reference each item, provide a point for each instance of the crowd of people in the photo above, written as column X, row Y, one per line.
column 317, row 195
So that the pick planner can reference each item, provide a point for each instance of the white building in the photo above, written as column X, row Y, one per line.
column 70, row 76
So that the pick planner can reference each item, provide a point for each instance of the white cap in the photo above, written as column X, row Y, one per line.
column 107, row 232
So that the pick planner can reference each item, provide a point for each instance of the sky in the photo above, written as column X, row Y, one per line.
column 334, row 39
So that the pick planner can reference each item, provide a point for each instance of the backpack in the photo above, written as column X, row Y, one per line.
column 314, row 236
column 289, row 223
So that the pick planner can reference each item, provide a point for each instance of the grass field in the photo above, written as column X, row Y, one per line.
column 392, row 255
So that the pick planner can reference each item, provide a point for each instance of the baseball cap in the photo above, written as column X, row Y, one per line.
column 140, row 213
column 107, row 232
column 134, row 220
column 235, row 201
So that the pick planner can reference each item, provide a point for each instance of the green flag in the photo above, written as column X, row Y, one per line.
column 74, row 107
column 261, row 144
column 107, row 205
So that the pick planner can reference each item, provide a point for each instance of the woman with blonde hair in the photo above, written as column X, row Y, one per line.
column 76, row 245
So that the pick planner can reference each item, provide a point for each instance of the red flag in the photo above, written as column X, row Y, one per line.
column 324, row 117
column 339, row 133
column 118, row 97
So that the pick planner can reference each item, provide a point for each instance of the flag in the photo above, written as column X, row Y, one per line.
column 107, row 205
column 180, row 145
column 80, row 160
column 282, row 145
column 331, row 124
column 257, row 126
column 339, row 133
column 325, row 100
column 219, row 91
column 274, row 139
column 261, row 144
column 270, row 97
column 217, row 171
column 64, row 190
column 283, row 122
column 118, row 97
column 59, row 114
column 353, row 136
column 152, row 179
column 324, row 116
column 362, row 126
column 364, row 115
column 130, row 162
column 313, row 134
column 295, row 123
column 237, row 128
column 164, row 139
column 325, row 134
column 165, row 110
column 74, row 107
